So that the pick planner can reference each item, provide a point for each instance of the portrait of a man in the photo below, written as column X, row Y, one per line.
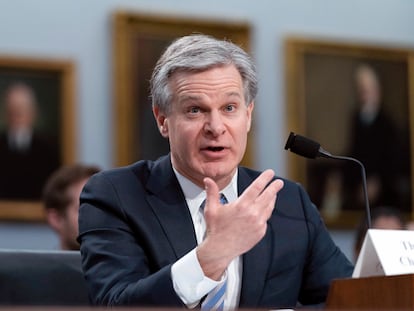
column 355, row 101
column 27, row 154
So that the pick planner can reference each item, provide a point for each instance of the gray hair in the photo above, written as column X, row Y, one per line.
column 197, row 53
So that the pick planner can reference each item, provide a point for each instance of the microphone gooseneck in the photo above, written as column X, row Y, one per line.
column 308, row 148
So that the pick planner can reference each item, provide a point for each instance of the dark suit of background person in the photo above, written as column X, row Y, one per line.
column 135, row 227
column 27, row 157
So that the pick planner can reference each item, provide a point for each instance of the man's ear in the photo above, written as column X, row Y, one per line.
column 54, row 219
column 162, row 121
column 250, row 109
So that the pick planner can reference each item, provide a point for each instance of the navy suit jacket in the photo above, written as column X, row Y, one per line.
column 134, row 224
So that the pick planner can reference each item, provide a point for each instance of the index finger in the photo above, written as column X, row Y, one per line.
column 259, row 184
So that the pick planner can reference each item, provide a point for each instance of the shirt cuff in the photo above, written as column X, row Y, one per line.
column 189, row 280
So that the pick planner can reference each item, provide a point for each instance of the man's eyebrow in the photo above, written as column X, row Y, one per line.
column 237, row 94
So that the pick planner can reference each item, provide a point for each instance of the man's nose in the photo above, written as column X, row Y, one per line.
column 214, row 124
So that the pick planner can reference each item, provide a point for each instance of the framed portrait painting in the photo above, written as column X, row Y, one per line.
column 139, row 40
column 36, row 131
column 355, row 100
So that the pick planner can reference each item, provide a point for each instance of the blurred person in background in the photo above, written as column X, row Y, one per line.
column 61, row 201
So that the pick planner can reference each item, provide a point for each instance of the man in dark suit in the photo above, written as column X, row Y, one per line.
column 27, row 157
column 157, row 233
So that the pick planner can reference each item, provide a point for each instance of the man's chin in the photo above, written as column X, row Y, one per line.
column 219, row 174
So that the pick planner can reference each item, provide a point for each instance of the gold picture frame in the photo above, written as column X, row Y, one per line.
column 53, row 85
column 321, row 102
column 139, row 39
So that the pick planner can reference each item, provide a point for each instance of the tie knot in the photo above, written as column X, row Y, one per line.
column 223, row 200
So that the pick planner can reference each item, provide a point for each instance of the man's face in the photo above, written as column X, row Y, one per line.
column 208, row 124
column 69, row 226
column 20, row 109
column 368, row 90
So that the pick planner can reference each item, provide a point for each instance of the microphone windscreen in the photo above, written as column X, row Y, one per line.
column 302, row 146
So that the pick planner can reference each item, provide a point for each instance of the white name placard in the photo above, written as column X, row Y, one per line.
column 386, row 252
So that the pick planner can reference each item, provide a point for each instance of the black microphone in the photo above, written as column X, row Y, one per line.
column 311, row 149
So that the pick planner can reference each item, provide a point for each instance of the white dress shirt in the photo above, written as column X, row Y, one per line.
column 189, row 281
column 20, row 139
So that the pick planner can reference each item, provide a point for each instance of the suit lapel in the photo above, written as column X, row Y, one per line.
column 255, row 262
column 168, row 203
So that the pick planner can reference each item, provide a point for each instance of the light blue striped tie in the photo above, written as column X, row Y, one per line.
column 215, row 299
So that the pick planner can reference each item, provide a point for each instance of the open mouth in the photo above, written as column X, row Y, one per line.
column 215, row 149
